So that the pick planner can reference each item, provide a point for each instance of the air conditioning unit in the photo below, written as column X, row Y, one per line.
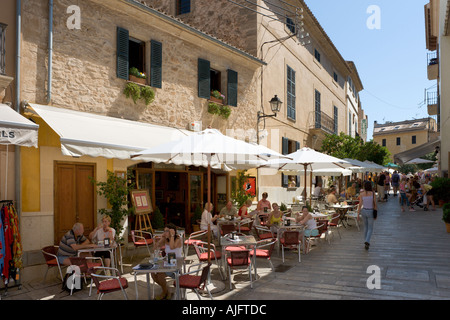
column 195, row 126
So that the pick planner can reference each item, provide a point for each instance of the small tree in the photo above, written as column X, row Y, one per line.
column 239, row 195
column 115, row 190
column 157, row 219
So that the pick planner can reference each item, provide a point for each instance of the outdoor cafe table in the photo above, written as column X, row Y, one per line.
column 245, row 241
column 342, row 210
column 146, row 267
column 112, row 250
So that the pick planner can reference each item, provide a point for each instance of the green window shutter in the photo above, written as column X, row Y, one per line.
column 297, row 147
column 204, row 79
column 122, row 53
column 284, row 151
column 156, row 64
column 232, row 88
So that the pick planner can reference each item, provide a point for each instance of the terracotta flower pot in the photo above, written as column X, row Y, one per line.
column 216, row 100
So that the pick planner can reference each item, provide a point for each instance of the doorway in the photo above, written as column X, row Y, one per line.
column 75, row 197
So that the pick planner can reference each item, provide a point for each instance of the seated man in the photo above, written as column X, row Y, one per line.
column 71, row 242
column 331, row 198
column 228, row 211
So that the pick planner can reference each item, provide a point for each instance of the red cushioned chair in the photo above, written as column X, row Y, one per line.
column 194, row 237
column 263, row 233
column 196, row 282
column 264, row 250
column 334, row 223
column 245, row 225
column 239, row 259
column 51, row 259
column 227, row 228
column 108, row 283
column 140, row 239
column 201, row 248
column 290, row 239
column 86, row 264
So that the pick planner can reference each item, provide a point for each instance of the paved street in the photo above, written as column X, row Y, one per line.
column 411, row 249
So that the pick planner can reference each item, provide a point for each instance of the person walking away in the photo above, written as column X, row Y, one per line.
column 395, row 182
column 403, row 187
column 380, row 186
column 367, row 205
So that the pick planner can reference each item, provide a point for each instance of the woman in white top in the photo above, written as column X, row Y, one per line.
column 172, row 243
column 208, row 219
column 99, row 234
column 367, row 203
column 308, row 220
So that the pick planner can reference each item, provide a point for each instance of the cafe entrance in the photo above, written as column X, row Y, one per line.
column 179, row 191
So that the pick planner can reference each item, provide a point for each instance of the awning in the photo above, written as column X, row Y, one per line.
column 89, row 134
column 417, row 152
column 15, row 129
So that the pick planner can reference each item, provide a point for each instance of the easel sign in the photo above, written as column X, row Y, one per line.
column 143, row 206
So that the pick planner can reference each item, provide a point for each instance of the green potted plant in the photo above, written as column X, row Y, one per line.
column 216, row 96
column 446, row 216
column 157, row 219
column 115, row 189
column 132, row 90
column 441, row 190
column 136, row 76
column 220, row 110
column 196, row 218
column 147, row 94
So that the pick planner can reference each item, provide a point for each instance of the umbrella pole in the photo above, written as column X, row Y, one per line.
column 209, row 200
column 306, row 183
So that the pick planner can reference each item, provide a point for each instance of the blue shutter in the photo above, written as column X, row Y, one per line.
column 290, row 93
column 122, row 53
column 204, row 79
column 297, row 147
column 318, row 113
column 156, row 64
column 336, row 120
column 284, row 151
column 232, row 88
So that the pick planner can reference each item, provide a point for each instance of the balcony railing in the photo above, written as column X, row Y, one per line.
column 432, row 58
column 2, row 48
column 324, row 122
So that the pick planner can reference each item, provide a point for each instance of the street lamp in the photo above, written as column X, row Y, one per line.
column 275, row 105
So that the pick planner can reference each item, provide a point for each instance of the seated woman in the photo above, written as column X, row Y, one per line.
column 275, row 217
column 305, row 218
column 243, row 211
column 102, row 232
column 208, row 219
column 172, row 244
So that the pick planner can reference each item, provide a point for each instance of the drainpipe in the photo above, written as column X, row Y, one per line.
column 17, row 154
column 50, row 50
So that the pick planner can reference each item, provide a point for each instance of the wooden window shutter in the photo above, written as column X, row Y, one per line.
column 156, row 64
column 297, row 182
column 232, row 88
column 284, row 151
column 204, row 79
column 122, row 53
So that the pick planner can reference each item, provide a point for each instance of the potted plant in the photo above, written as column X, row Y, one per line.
column 157, row 219
column 220, row 110
column 136, row 76
column 446, row 216
column 147, row 94
column 216, row 96
column 196, row 218
column 115, row 190
column 137, row 92
column 441, row 190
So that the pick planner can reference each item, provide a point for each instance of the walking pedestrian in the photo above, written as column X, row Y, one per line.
column 395, row 182
column 367, row 204
column 380, row 186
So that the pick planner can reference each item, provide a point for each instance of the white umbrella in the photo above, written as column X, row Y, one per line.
column 209, row 148
column 305, row 158
column 359, row 166
column 418, row 161
column 335, row 172
column 375, row 167
column 431, row 170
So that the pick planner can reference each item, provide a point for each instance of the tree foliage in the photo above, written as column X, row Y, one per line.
column 343, row 146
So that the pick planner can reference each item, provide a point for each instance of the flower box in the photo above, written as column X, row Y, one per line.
column 216, row 100
column 137, row 79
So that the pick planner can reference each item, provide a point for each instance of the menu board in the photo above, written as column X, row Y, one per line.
column 141, row 201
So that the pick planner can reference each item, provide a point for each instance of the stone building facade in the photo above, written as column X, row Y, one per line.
column 304, row 69
column 85, row 77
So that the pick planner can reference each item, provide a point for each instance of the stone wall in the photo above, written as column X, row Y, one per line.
column 84, row 66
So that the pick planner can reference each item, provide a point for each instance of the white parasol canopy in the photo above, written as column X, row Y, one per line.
column 360, row 166
column 418, row 161
column 375, row 167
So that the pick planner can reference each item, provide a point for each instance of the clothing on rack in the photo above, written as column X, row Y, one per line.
column 10, row 243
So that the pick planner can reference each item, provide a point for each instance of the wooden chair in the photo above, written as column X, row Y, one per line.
column 51, row 259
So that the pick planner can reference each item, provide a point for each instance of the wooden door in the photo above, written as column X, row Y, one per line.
column 74, row 197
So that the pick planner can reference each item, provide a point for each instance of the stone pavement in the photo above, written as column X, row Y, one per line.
column 411, row 250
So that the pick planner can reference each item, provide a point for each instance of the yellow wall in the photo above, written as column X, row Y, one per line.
column 405, row 140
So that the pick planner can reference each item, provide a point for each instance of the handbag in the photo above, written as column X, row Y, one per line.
column 375, row 212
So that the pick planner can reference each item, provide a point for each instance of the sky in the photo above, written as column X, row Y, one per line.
column 391, row 56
